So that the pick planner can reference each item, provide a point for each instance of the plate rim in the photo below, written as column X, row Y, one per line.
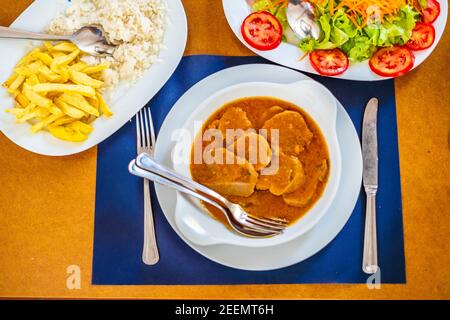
column 160, row 190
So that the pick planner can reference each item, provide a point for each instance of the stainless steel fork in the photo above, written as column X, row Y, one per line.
column 145, row 142
column 144, row 166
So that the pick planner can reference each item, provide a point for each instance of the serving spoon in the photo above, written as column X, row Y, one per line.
column 89, row 39
column 300, row 17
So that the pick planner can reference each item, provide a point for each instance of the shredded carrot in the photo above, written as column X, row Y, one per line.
column 365, row 9
column 331, row 6
column 275, row 4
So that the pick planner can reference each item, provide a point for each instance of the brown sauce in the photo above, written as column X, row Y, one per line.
column 312, row 154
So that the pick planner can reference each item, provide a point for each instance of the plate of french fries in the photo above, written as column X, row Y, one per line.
column 53, row 103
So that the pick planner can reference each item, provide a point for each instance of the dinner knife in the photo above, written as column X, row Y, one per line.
column 370, row 180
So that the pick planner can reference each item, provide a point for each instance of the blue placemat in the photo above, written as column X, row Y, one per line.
column 119, row 206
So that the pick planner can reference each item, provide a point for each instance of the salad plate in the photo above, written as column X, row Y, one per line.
column 300, row 248
column 127, row 98
column 290, row 54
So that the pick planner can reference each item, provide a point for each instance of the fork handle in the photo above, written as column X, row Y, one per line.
column 135, row 170
column 150, row 254
column 6, row 32
column 146, row 162
column 166, row 181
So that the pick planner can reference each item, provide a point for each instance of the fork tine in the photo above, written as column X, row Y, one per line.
column 141, row 128
column 146, row 129
column 272, row 221
column 260, row 229
column 265, row 224
column 152, row 129
column 138, row 130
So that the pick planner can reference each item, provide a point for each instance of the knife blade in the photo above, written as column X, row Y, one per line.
column 370, row 145
column 370, row 180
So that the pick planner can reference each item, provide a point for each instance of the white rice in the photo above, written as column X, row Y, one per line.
column 137, row 24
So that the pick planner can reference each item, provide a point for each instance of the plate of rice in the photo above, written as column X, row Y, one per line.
column 151, row 37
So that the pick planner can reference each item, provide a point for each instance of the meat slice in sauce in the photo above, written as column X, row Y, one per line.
column 303, row 195
column 254, row 148
column 294, row 134
column 233, row 118
column 231, row 176
column 269, row 113
column 287, row 178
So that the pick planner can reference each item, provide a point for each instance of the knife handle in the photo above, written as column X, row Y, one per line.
column 370, row 259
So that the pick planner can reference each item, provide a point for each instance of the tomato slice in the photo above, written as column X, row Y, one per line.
column 431, row 12
column 329, row 62
column 422, row 36
column 392, row 61
column 262, row 30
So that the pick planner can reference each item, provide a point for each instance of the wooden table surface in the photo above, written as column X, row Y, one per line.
column 47, row 204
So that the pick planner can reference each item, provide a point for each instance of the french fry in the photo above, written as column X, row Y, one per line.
column 28, row 70
column 16, row 111
column 81, row 78
column 64, row 73
column 65, row 47
column 48, row 45
column 78, row 101
column 49, row 74
column 54, row 90
column 35, row 113
column 55, row 110
column 22, row 100
column 41, row 124
column 93, row 102
column 32, row 80
column 67, row 88
column 35, row 97
column 82, row 127
column 69, row 110
column 64, row 59
column 20, row 112
column 79, row 66
column 10, row 80
column 45, row 58
column 57, row 54
column 41, row 78
column 16, row 83
column 103, row 106
column 67, row 133
column 29, row 57
column 63, row 120
column 95, row 69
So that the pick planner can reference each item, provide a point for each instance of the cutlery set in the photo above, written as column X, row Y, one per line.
column 240, row 221
column 243, row 223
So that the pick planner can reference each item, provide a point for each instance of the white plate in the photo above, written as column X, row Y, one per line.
column 317, row 101
column 288, row 55
column 300, row 248
column 127, row 100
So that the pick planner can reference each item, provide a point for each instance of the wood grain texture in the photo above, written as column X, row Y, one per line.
column 47, row 204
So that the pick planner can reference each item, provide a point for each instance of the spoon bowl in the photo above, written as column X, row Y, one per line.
column 89, row 39
column 300, row 17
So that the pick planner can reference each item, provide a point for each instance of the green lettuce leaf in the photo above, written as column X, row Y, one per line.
column 359, row 48
column 258, row 5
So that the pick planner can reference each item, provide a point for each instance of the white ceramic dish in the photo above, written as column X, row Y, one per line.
column 288, row 55
column 315, row 100
column 301, row 248
column 127, row 100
